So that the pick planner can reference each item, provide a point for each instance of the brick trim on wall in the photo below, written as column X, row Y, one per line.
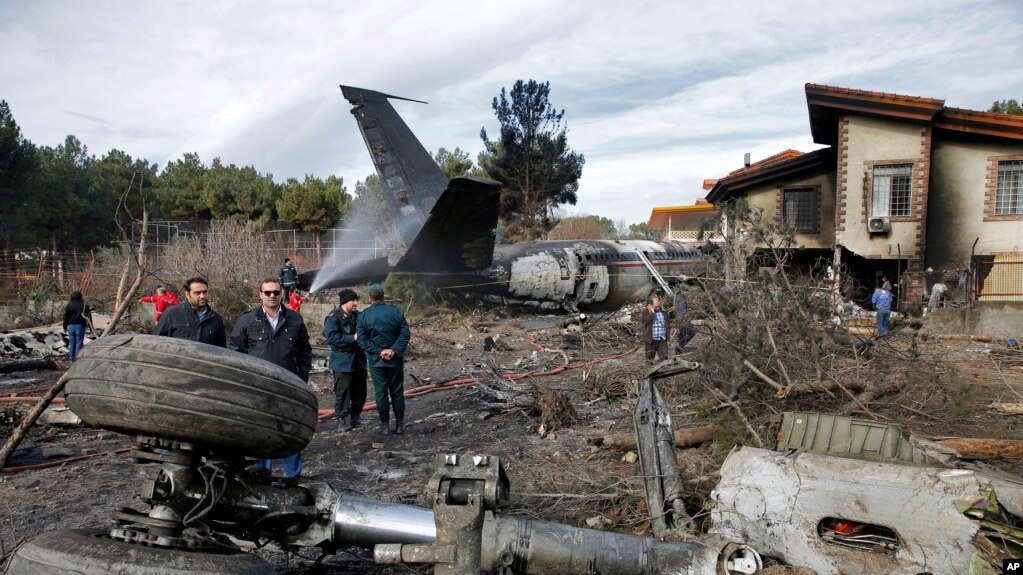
column 922, row 182
column 868, row 188
column 842, row 180
column 991, row 189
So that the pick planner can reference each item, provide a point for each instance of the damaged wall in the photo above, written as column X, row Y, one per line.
column 867, row 142
column 997, row 319
column 961, row 180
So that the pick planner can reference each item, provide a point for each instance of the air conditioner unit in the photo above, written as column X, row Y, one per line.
column 879, row 225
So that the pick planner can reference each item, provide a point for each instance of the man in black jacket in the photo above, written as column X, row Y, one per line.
column 276, row 334
column 193, row 318
column 288, row 278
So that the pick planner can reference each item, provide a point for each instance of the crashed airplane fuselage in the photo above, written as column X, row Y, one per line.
column 449, row 226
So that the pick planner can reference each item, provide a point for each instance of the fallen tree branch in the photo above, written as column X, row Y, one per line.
column 30, row 418
column 1007, row 408
column 782, row 391
column 738, row 411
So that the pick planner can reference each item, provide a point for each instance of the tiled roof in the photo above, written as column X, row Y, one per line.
column 869, row 94
column 826, row 103
column 762, row 164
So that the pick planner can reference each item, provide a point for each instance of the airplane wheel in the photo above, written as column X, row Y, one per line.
column 92, row 552
column 193, row 392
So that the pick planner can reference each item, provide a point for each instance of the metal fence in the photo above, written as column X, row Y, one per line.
column 999, row 279
column 57, row 274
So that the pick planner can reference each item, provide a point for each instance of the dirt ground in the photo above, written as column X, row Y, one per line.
column 556, row 470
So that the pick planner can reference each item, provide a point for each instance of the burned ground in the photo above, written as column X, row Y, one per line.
column 544, row 427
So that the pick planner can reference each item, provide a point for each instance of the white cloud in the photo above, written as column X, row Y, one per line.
column 659, row 95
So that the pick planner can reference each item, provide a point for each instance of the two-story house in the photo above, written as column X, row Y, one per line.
column 906, row 187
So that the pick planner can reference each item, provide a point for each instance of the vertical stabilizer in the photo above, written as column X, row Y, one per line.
column 411, row 180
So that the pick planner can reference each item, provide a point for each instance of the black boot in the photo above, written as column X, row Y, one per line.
column 399, row 423
column 343, row 425
column 354, row 422
column 384, row 428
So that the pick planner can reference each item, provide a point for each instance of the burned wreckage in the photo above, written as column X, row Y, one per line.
column 198, row 412
column 449, row 230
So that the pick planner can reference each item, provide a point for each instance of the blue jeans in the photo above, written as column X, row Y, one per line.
column 292, row 464
column 882, row 321
column 75, row 339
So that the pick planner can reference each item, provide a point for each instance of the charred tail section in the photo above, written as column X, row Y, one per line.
column 411, row 179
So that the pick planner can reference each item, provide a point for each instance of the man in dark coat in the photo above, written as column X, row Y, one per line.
column 273, row 333
column 193, row 318
column 682, row 320
column 288, row 278
column 384, row 334
column 347, row 361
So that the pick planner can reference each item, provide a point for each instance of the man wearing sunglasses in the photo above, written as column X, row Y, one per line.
column 276, row 334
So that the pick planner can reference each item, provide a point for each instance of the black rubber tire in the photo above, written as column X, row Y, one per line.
column 194, row 392
column 91, row 552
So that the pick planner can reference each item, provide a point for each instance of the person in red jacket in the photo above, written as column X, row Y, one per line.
column 163, row 300
column 295, row 302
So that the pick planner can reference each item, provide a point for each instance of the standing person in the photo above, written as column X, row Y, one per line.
column 288, row 278
column 194, row 319
column 882, row 300
column 296, row 300
column 682, row 320
column 886, row 284
column 655, row 330
column 384, row 334
column 347, row 361
column 273, row 333
column 75, row 314
column 163, row 300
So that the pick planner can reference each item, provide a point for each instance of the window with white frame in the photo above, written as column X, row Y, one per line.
column 1009, row 190
column 801, row 209
column 892, row 190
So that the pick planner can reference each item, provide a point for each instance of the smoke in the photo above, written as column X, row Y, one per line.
column 358, row 242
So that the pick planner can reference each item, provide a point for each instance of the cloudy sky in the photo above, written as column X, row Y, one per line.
column 658, row 95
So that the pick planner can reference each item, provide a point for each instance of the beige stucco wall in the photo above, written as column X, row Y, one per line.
column 769, row 198
column 956, row 210
column 876, row 140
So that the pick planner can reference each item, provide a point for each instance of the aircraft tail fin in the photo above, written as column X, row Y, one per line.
column 459, row 234
column 411, row 180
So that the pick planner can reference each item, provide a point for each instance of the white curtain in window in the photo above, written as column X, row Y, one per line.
column 882, row 195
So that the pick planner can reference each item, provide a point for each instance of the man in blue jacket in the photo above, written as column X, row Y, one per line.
column 347, row 361
column 882, row 300
column 383, row 334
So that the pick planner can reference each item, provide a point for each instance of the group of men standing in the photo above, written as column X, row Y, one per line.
column 376, row 339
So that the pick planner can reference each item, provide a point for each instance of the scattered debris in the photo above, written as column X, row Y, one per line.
column 683, row 438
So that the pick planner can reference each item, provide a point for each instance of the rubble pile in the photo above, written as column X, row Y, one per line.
column 35, row 343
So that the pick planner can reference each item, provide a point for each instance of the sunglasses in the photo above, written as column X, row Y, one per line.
column 271, row 292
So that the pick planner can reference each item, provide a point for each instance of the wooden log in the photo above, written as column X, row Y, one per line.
column 683, row 438
column 985, row 448
column 1007, row 408
column 27, row 365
